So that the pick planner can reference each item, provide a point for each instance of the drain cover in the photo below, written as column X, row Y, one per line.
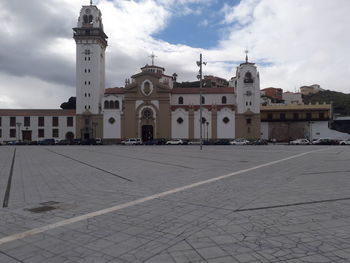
column 42, row 209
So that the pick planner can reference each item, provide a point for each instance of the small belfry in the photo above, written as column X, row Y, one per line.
column 248, row 100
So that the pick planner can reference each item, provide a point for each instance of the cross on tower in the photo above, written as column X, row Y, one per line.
column 152, row 57
column 246, row 55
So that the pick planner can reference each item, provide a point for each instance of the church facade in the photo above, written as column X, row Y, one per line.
column 153, row 104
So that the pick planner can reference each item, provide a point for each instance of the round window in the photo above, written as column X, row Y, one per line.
column 147, row 113
column 111, row 120
column 225, row 120
column 180, row 120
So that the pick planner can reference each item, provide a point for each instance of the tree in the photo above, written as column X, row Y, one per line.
column 70, row 104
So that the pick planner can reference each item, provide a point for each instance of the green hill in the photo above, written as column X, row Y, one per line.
column 341, row 101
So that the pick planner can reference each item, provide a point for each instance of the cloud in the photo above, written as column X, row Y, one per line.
column 31, row 93
column 293, row 42
column 304, row 41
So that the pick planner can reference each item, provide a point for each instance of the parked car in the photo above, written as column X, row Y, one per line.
column 300, row 142
column 132, row 141
column 193, row 142
column 345, row 142
column 77, row 141
column 222, row 142
column 174, row 142
column 156, row 142
column 63, row 142
column 240, row 141
column 99, row 141
column 325, row 141
column 88, row 142
column 259, row 142
column 47, row 142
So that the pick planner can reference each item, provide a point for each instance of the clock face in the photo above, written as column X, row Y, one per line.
column 87, row 11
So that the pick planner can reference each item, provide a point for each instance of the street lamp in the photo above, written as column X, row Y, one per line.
column 18, row 130
column 200, row 77
column 207, row 123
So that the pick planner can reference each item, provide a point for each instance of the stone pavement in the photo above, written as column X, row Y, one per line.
column 293, row 210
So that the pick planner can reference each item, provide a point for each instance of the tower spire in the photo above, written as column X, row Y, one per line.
column 246, row 55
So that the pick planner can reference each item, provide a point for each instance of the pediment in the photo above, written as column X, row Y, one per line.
column 156, row 86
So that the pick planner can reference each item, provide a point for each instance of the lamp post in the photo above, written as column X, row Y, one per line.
column 207, row 123
column 18, row 130
column 200, row 77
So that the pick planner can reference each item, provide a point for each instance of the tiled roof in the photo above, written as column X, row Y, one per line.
column 296, row 107
column 30, row 112
column 114, row 91
column 204, row 90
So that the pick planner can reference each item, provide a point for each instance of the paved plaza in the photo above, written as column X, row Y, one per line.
column 274, row 203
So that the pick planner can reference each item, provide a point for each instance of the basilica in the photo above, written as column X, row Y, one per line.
column 153, row 104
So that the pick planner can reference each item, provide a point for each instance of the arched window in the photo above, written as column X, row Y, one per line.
column 116, row 104
column 181, row 100
column 224, row 100
column 111, row 104
column 106, row 104
column 86, row 19
column 90, row 19
column 203, row 100
column 248, row 78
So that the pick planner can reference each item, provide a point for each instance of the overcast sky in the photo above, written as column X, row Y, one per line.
column 293, row 43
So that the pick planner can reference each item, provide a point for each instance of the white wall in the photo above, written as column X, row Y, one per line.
column 179, row 130
column 320, row 129
column 226, row 130
column 112, row 130
column 62, row 128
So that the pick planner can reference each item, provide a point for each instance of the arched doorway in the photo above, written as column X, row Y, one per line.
column 147, row 133
column 70, row 137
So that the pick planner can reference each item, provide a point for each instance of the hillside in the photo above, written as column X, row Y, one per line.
column 341, row 101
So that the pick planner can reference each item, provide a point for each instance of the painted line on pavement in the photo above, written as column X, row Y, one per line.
column 42, row 229
column 9, row 182
column 90, row 165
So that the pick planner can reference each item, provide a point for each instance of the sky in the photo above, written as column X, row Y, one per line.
column 292, row 42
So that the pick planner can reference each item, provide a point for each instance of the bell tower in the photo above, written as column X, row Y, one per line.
column 248, row 101
column 91, row 43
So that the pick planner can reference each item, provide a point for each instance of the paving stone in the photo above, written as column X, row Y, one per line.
column 286, row 212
